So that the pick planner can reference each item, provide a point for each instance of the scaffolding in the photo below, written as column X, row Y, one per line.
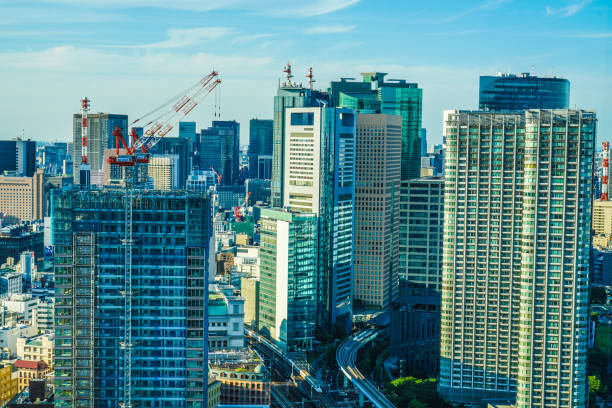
column 127, row 294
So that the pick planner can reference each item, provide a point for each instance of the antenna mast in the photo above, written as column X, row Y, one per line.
column 310, row 80
column 605, row 168
column 84, row 168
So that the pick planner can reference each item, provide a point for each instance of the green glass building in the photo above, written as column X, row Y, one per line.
column 288, row 278
column 391, row 97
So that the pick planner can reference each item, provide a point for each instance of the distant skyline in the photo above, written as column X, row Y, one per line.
column 129, row 56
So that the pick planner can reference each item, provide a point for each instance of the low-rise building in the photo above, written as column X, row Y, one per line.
column 16, row 239
column 24, row 304
column 249, row 289
column 214, row 391
column 36, row 348
column 10, row 334
column 243, row 376
column 225, row 319
column 38, row 394
column 29, row 370
column 9, row 384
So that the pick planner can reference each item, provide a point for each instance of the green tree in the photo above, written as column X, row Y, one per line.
column 594, row 384
column 415, row 392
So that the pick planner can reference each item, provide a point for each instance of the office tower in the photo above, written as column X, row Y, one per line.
column 163, row 169
column 258, row 190
column 187, row 130
column 288, row 95
column 517, row 207
column 161, row 240
column 602, row 218
column 319, row 178
column 183, row 147
column 220, row 150
column 201, row 180
column 23, row 198
column 423, row 141
column 16, row 239
column 260, row 144
column 288, row 278
column 392, row 97
column 18, row 157
column 377, row 209
column 509, row 92
column 420, row 240
column 100, row 136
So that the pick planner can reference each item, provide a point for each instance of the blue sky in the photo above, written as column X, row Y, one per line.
column 128, row 56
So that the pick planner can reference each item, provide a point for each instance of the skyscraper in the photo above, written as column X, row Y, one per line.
column 288, row 278
column 423, row 142
column 23, row 198
column 136, row 257
column 319, row 178
column 509, row 92
column 392, row 97
column 517, row 208
column 220, row 150
column 377, row 209
column 163, row 169
column 421, row 238
column 18, row 156
column 100, row 127
column 260, row 144
column 183, row 147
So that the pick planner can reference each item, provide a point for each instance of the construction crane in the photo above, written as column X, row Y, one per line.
column 239, row 211
column 219, row 176
column 84, row 168
column 160, row 121
column 605, row 163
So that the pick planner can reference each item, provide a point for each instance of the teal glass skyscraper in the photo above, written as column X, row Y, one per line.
column 131, row 279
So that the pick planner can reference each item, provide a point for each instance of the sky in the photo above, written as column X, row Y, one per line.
column 129, row 56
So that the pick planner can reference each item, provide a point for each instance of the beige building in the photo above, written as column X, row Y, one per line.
column 23, row 198
column 164, row 171
column 250, row 292
column 377, row 209
column 28, row 370
column 602, row 218
column 37, row 348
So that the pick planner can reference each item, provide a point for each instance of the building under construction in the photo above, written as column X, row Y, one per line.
column 131, row 274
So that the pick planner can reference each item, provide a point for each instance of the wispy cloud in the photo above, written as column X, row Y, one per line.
column 321, row 7
column 458, row 33
column 329, row 29
column 568, row 10
column 594, row 36
column 491, row 4
column 183, row 37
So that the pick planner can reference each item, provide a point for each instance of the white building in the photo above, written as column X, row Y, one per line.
column 163, row 168
column 24, row 304
column 43, row 318
column 10, row 334
column 36, row 348
column 225, row 318
column 201, row 180
column 246, row 261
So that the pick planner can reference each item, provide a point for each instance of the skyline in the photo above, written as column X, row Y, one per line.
column 130, row 56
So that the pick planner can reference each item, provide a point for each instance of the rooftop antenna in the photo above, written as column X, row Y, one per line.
column 84, row 168
column 310, row 80
column 287, row 71
column 532, row 70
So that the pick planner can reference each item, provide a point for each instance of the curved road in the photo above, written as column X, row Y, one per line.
column 346, row 356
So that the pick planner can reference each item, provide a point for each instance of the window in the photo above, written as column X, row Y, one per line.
column 302, row 119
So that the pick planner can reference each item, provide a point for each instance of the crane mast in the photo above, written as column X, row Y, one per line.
column 84, row 167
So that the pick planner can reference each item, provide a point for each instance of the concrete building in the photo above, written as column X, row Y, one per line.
column 23, row 304
column 517, row 227
column 319, row 178
column 17, row 239
column 183, row 147
column 167, row 297
column 11, row 282
column 243, row 376
column 163, row 169
column 39, row 394
column 10, row 334
column 36, row 348
column 214, row 391
column 510, row 92
column 100, row 128
column 249, row 289
column 9, row 384
column 602, row 218
column 260, row 148
column 201, row 180
column 23, row 198
column 225, row 320
column 288, row 278
column 30, row 370
column 377, row 209
column 422, row 236
column 18, row 157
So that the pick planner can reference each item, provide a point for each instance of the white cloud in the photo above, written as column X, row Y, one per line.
column 568, row 10
column 491, row 4
column 595, row 36
column 182, row 37
column 329, row 29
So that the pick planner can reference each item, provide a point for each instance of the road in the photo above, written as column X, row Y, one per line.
column 346, row 356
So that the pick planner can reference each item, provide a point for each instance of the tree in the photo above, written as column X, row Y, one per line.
column 415, row 393
column 594, row 384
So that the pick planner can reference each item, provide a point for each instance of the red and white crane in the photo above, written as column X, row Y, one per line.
column 84, row 167
column 160, row 121
column 605, row 163
column 239, row 211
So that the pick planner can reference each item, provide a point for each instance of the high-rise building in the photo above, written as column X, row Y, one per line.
column 163, row 169
column 220, row 150
column 602, row 218
column 23, row 198
column 377, row 209
column 18, row 157
column 509, row 92
column 319, row 178
column 183, row 147
column 392, row 97
column 288, row 278
column 288, row 95
column 100, row 128
column 421, row 238
column 16, row 239
column 131, row 280
column 423, row 141
column 517, row 226
column 187, row 130
column 260, row 144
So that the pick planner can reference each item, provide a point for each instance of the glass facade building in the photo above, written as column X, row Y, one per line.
column 517, row 213
column 160, row 358
column 288, row 278
column 220, row 150
column 508, row 92
column 260, row 144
